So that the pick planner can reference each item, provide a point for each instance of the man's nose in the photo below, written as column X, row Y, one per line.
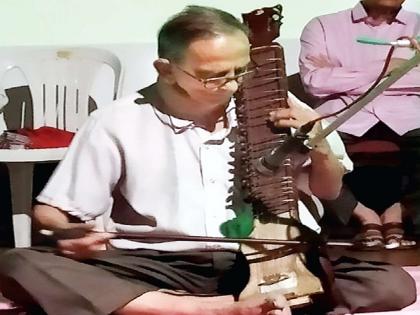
column 231, row 85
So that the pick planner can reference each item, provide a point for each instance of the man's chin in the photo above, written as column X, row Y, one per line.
column 218, row 100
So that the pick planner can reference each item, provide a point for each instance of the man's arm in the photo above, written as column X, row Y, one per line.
column 408, row 84
column 82, row 247
column 80, row 190
column 323, row 76
column 51, row 218
column 326, row 171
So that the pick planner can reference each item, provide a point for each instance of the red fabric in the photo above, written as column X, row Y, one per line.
column 47, row 137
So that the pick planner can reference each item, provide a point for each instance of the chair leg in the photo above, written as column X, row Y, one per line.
column 21, row 176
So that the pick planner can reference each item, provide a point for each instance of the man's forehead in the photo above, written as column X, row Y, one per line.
column 221, row 48
column 217, row 42
column 219, row 66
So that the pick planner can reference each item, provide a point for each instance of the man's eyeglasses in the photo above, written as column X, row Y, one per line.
column 218, row 82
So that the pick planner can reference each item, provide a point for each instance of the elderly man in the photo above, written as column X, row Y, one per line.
column 159, row 161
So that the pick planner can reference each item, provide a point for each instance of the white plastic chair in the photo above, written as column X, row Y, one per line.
column 60, row 82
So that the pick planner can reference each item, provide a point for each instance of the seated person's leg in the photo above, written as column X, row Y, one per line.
column 372, row 286
column 375, row 191
column 345, row 206
column 370, row 234
column 162, row 303
column 393, row 229
column 127, row 283
column 341, row 208
column 410, row 147
column 61, row 285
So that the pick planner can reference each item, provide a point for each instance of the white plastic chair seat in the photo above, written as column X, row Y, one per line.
column 32, row 155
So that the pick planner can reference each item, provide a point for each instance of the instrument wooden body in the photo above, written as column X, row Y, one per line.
column 278, row 268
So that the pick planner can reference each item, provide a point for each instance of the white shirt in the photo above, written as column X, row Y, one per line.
column 156, row 172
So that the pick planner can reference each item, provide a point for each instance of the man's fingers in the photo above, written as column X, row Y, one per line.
column 89, row 241
column 281, row 113
column 84, row 226
column 295, row 116
column 85, row 247
column 280, row 306
column 287, row 123
column 285, row 311
column 294, row 102
column 283, row 117
column 91, row 238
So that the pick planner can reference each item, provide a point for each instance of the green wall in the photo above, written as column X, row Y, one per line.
column 74, row 22
column 68, row 22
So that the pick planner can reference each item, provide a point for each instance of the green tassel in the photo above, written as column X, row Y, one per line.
column 239, row 227
column 372, row 41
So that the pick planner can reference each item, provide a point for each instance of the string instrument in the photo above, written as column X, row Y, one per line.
column 274, row 268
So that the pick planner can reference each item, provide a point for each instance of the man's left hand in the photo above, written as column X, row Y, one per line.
column 295, row 116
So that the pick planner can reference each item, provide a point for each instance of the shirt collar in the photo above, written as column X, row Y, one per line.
column 403, row 17
column 359, row 14
column 179, row 125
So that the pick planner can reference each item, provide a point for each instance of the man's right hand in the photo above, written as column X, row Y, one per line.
column 74, row 239
column 79, row 241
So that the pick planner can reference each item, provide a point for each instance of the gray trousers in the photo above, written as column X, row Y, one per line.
column 47, row 283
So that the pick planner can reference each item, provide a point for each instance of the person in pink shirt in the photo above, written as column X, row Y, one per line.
column 336, row 69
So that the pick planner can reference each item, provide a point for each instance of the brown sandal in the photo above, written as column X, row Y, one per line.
column 369, row 238
column 394, row 236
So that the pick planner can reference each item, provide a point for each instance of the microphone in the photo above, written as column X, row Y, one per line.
column 296, row 143
column 396, row 43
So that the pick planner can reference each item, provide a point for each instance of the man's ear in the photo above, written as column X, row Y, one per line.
column 164, row 68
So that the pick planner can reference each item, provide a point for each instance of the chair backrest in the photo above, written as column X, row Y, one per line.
column 61, row 80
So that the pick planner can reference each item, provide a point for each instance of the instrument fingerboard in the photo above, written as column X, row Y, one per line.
column 261, row 93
